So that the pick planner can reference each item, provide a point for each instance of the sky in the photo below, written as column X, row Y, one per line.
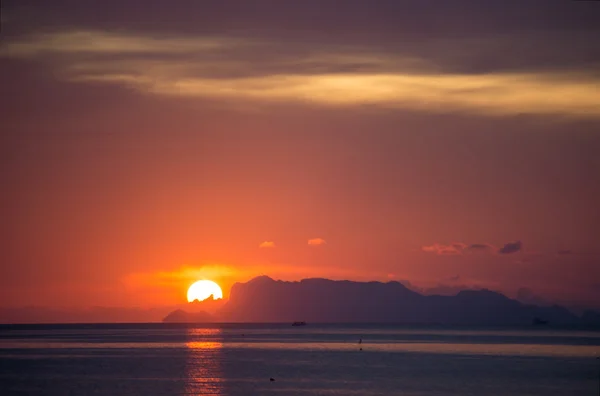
column 446, row 145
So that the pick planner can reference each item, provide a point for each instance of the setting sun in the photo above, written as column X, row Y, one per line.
column 203, row 289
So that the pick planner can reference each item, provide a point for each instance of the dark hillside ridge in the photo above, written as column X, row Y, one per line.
column 263, row 299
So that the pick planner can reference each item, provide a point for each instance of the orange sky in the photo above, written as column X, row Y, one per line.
column 151, row 148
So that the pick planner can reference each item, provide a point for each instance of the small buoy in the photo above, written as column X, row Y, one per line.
column 272, row 379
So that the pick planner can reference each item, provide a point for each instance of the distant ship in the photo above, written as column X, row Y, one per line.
column 299, row 324
column 538, row 321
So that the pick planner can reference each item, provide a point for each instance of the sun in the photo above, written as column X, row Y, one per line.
column 203, row 289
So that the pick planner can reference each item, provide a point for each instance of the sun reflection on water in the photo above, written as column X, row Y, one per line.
column 204, row 372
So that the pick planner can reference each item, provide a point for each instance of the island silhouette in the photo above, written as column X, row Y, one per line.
column 317, row 300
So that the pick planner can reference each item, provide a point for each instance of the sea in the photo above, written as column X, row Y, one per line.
column 280, row 359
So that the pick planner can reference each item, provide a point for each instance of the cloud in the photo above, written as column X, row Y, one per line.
column 455, row 248
column 316, row 241
column 511, row 247
column 107, row 43
column 267, row 244
column 223, row 68
column 490, row 94
column 480, row 247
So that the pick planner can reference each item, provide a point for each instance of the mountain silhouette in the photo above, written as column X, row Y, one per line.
column 181, row 316
column 263, row 299
column 591, row 318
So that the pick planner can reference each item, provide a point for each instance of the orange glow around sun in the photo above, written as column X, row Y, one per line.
column 203, row 289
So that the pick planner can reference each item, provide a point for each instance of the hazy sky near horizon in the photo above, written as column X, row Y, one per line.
column 146, row 144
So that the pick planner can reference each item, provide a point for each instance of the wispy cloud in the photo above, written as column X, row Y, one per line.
column 267, row 244
column 463, row 248
column 316, row 241
column 488, row 94
column 221, row 68
column 455, row 248
column 106, row 43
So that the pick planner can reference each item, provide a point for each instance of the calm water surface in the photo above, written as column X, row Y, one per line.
column 159, row 359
